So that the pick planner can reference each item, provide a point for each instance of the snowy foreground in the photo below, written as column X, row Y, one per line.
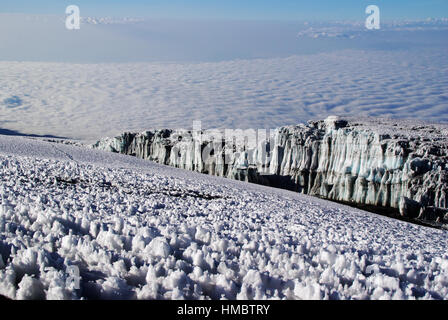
column 138, row 230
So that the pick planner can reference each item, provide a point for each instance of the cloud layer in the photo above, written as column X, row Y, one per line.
column 92, row 100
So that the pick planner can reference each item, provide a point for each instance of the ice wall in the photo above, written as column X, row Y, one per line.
column 373, row 162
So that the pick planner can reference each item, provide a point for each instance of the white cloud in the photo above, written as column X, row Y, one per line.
column 355, row 30
column 93, row 100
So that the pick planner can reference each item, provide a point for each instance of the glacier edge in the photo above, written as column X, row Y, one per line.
column 383, row 163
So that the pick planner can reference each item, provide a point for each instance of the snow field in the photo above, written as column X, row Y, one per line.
column 137, row 230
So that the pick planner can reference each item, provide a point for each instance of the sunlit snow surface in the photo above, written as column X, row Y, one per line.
column 141, row 230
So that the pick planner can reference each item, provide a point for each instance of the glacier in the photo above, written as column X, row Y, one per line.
column 375, row 163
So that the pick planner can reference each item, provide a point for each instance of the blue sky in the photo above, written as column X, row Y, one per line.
column 237, row 9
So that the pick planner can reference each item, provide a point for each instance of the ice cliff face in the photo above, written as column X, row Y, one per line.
column 376, row 163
